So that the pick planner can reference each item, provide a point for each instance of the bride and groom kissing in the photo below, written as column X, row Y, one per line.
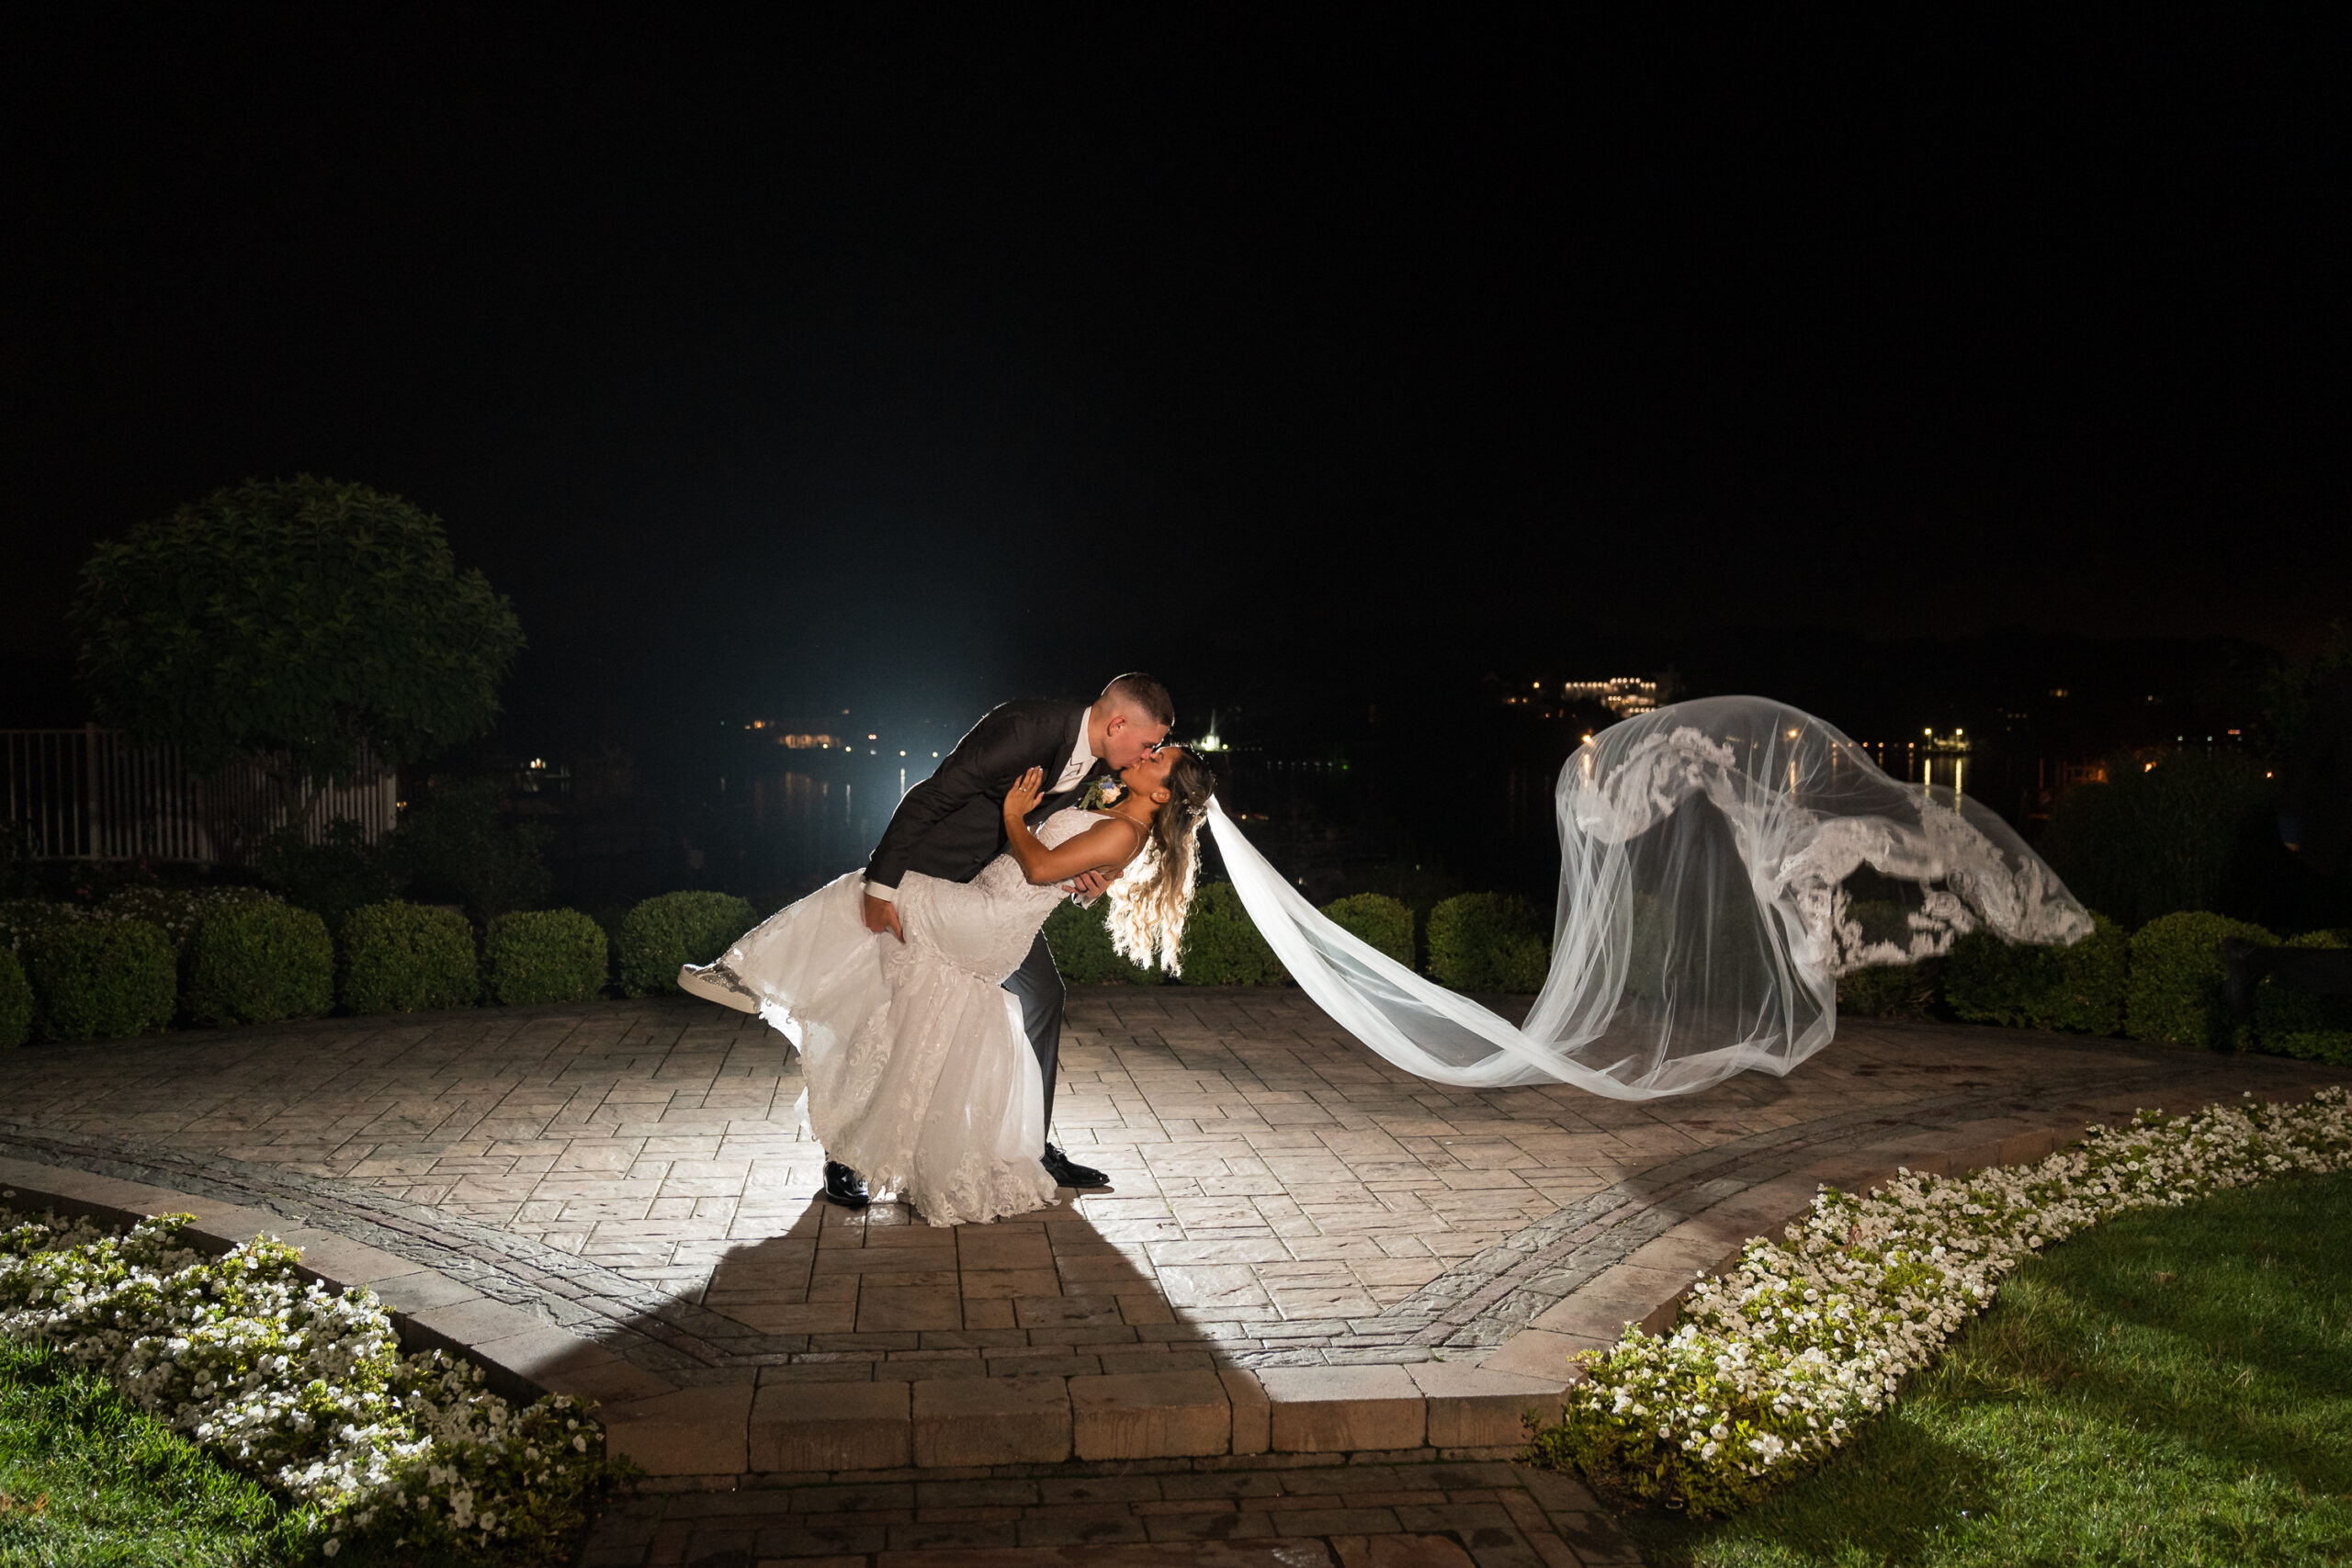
column 920, row 992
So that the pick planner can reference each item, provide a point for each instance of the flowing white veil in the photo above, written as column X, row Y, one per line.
column 1704, row 915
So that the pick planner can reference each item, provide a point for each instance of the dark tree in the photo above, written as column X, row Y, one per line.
column 292, row 621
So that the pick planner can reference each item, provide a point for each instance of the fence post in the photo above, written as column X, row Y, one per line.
column 94, row 821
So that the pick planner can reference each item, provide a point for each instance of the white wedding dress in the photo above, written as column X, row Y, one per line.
column 919, row 1073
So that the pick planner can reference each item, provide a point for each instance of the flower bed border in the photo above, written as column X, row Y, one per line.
column 522, row 1355
column 273, row 1369
column 1792, row 1344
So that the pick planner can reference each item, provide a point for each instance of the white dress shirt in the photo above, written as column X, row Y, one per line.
column 1081, row 762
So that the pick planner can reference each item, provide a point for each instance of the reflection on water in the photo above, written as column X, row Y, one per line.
column 805, row 830
column 1913, row 766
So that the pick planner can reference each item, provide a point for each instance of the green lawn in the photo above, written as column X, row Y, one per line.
column 84, row 1479
column 2172, row 1387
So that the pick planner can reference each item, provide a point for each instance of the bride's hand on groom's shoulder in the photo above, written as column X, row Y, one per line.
column 1027, row 791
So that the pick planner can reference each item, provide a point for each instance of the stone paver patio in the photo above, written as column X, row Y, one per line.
column 1309, row 1256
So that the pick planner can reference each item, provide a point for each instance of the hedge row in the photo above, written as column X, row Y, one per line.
column 230, row 957
column 2164, row 981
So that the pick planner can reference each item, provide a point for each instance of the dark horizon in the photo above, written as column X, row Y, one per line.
column 892, row 363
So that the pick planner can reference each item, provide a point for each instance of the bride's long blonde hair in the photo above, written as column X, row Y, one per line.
column 1149, row 899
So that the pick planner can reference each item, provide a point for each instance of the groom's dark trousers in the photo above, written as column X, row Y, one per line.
column 952, row 824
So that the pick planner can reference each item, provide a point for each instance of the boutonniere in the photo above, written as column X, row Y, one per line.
column 1100, row 793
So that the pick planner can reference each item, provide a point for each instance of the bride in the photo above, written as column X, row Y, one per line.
column 919, row 1070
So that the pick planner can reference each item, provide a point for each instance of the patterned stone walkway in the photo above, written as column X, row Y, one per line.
column 1280, row 1194
column 1308, row 1255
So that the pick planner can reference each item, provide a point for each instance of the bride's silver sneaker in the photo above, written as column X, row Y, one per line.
column 718, row 983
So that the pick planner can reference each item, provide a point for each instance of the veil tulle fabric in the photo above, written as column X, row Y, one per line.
column 1705, row 912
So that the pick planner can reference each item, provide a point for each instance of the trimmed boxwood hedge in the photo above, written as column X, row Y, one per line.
column 95, row 980
column 2078, row 989
column 403, row 957
column 1221, row 945
column 2176, row 992
column 258, row 961
column 1381, row 922
column 2297, row 1023
column 1080, row 942
column 1488, row 942
column 661, row 935
column 16, row 1002
column 544, row 955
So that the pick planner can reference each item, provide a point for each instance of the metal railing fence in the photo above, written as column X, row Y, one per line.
column 91, row 793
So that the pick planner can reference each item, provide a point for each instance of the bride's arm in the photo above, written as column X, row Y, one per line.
column 1106, row 847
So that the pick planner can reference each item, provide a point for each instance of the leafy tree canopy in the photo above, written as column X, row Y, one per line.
column 297, row 617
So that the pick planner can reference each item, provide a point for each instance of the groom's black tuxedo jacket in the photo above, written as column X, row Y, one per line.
column 952, row 824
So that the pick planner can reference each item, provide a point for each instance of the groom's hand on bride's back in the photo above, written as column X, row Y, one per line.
column 882, row 915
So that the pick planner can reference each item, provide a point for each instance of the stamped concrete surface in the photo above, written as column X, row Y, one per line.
column 1309, row 1259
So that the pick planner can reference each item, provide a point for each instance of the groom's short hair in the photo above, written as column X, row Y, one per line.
column 1146, row 696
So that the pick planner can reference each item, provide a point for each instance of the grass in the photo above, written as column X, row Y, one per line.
column 85, row 1478
column 2171, row 1387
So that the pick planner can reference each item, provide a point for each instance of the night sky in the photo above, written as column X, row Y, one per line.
column 915, row 360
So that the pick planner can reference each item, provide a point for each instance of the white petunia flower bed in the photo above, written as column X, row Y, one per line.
column 1776, row 1363
column 306, row 1388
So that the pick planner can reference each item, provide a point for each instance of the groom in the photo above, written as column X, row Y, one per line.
column 952, row 824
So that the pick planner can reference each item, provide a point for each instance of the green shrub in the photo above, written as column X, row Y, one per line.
column 2175, row 990
column 2299, row 1023
column 16, row 1002
column 1381, row 921
column 545, row 955
column 176, row 910
column 2078, row 989
column 1081, row 941
column 96, row 979
column 258, row 960
column 1221, row 946
column 661, row 935
column 403, row 957
column 1488, row 942
column 1892, row 990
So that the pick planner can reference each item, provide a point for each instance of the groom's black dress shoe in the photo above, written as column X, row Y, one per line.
column 1067, row 1172
column 843, row 1186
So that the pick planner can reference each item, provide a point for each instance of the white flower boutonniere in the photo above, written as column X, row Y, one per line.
column 1100, row 793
